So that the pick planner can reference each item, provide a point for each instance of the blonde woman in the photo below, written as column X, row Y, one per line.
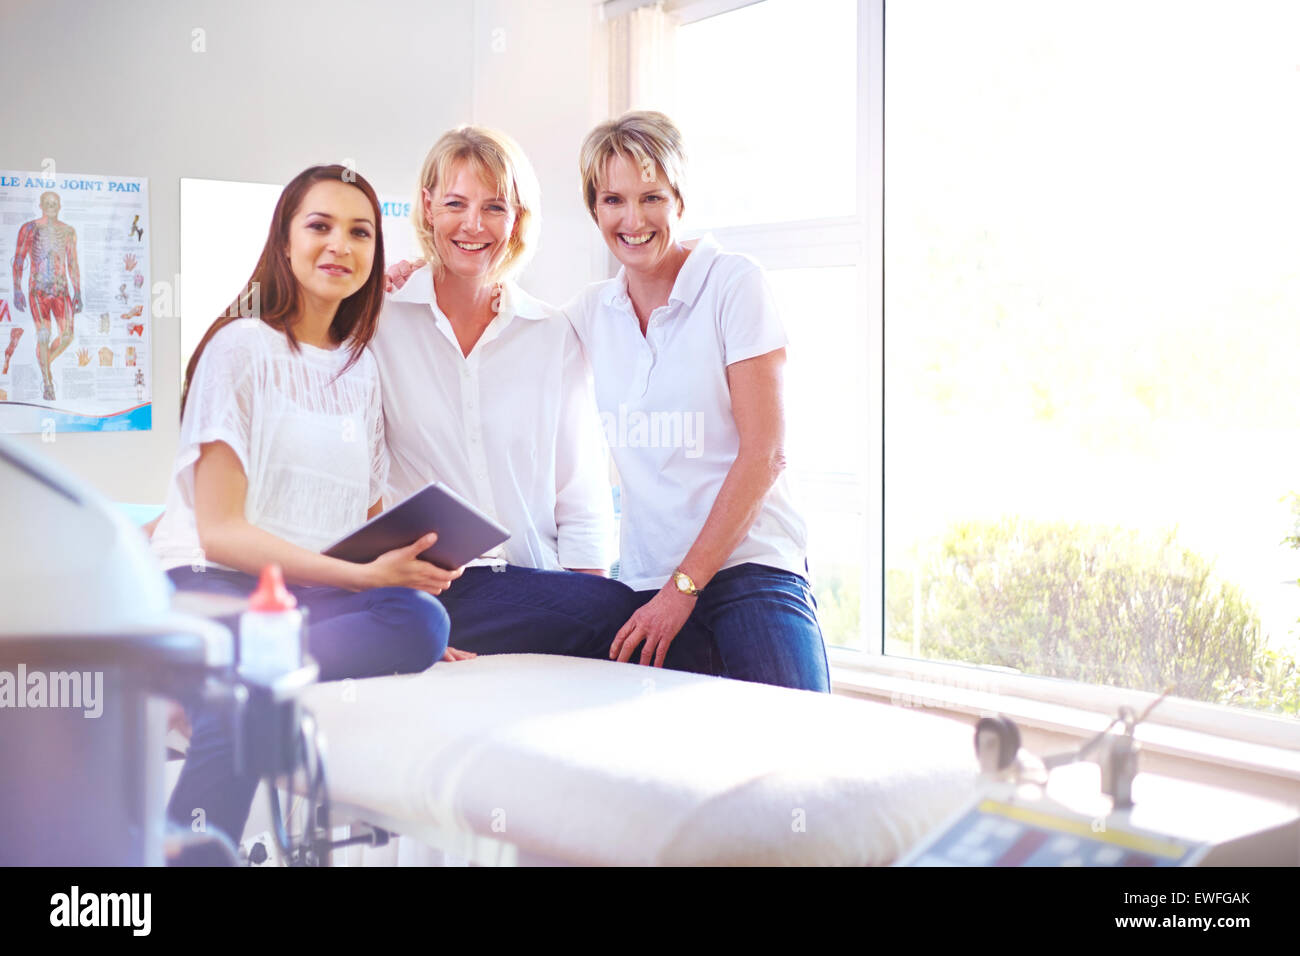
column 686, row 331
column 486, row 389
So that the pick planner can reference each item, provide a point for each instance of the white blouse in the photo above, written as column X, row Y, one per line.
column 311, row 441
column 666, row 410
column 511, row 427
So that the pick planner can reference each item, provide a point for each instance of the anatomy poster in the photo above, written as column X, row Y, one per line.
column 74, row 303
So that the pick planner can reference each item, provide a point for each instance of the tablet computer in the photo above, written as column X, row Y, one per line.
column 464, row 532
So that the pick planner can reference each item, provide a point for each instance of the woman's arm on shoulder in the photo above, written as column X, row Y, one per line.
column 395, row 276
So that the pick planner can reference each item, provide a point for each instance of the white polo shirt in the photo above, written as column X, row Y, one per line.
column 511, row 427
column 666, row 409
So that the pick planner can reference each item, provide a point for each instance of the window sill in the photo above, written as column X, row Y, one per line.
column 1206, row 733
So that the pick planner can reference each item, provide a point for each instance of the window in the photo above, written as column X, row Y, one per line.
column 1083, row 237
column 1092, row 281
column 769, row 99
column 774, row 139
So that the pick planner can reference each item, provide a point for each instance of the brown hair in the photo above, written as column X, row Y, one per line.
column 271, row 293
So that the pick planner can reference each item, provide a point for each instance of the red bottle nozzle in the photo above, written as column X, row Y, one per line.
column 271, row 595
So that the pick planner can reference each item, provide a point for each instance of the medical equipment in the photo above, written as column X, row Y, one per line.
column 1059, row 811
column 91, row 646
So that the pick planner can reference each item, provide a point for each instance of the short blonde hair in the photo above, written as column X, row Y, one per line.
column 500, row 162
column 649, row 138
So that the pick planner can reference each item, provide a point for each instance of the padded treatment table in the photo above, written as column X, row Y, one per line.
column 593, row 762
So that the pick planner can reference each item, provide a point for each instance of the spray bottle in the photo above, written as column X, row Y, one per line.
column 270, row 631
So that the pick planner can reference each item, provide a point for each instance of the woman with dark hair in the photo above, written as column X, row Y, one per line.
column 281, row 453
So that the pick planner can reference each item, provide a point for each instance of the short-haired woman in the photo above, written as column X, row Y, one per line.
column 711, row 539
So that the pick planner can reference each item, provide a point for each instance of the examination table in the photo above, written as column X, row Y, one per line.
column 527, row 758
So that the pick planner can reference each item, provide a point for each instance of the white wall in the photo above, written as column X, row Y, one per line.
column 117, row 88
column 535, row 78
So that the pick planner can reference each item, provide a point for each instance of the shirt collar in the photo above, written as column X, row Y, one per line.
column 418, row 288
column 689, row 282
column 514, row 300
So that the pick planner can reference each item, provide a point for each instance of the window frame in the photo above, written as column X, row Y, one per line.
column 837, row 242
column 947, row 678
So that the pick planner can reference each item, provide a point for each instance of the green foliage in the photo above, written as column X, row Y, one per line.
column 1273, row 685
column 838, row 592
column 1083, row 602
column 1293, row 539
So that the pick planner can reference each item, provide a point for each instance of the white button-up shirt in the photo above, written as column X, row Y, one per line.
column 511, row 427
column 665, row 406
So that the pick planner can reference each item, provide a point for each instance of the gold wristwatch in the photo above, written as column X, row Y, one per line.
column 682, row 581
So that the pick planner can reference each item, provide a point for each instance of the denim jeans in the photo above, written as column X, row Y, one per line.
column 756, row 623
column 515, row 610
column 349, row 633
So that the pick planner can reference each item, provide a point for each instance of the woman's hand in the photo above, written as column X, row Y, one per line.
column 656, row 623
column 402, row 568
column 177, row 720
column 455, row 655
column 395, row 276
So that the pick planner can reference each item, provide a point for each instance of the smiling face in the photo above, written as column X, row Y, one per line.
column 331, row 245
column 472, row 225
column 637, row 213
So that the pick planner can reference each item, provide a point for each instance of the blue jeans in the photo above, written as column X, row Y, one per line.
column 349, row 633
column 756, row 623
column 514, row 610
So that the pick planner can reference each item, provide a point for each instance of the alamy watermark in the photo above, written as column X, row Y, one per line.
column 638, row 429
column 80, row 690
column 75, row 908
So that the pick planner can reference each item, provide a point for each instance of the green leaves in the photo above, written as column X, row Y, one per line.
column 1091, row 603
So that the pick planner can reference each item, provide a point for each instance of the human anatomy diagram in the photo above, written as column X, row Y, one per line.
column 48, row 247
column 74, row 302
column 14, row 335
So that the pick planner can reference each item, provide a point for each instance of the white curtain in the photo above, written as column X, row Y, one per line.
column 642, row 71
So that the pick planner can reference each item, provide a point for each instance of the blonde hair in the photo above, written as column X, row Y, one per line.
column 500, row 162
column 649, row 138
